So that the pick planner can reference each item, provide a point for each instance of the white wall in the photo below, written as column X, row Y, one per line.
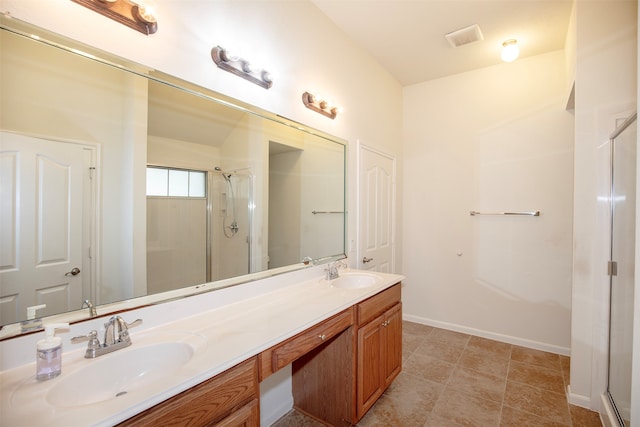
column 494, row 139
column 606, row 86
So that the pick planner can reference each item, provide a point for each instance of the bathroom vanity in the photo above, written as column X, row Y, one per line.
column 343, row 344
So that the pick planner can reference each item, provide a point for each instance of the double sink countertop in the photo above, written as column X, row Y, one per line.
column 174, row 356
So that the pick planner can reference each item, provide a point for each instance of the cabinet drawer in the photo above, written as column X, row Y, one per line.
column 377, row 304
column 206, row 403
column 306, row 341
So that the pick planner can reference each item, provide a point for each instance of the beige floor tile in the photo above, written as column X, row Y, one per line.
column 440, row 350
column 415, row 391
column 414, row 328
column 296, row 419
column 535, row 357
column 428, row 368
column 548, row 379
column 394, row 412
column 582, row 417
column 496, row 347
column 514, row 418
column 534, row 400
column 484, row 361
column 449, row 337
column 409, row 344
column 477, row 384
column 438, row 421
column 466, row 410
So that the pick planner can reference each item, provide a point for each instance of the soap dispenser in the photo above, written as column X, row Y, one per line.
column 49, row 353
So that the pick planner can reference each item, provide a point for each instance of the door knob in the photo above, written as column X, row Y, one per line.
column 366, row 260
column 74, row 272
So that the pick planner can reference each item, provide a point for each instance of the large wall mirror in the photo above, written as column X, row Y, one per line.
column 119, row 183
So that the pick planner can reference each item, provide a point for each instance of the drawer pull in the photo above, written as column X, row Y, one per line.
column 322, row 337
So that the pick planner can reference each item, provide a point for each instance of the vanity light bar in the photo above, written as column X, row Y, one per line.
column 241, row 67
column 321, row 106
column 134, row 15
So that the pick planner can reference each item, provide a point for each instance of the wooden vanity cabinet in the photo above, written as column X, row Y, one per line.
column 230, row 399
column 340, row 367
column 379, row 346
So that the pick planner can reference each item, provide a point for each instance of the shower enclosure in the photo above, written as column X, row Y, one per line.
column 622, row 267
column 198, row 226
column 231, row 223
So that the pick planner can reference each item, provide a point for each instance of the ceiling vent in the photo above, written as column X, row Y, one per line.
column 464, row 36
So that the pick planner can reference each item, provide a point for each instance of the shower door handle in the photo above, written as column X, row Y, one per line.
column 366, row 260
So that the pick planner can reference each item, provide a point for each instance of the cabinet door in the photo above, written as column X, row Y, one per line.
column 370, row 354
column 247, row 416
column 392, row 360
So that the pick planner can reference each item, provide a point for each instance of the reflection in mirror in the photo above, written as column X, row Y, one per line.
column 141, row 185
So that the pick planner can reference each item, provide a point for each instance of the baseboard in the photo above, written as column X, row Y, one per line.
column 274, row 413
column 578, row 399
column 565, row 351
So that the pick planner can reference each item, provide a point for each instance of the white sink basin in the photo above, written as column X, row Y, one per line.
column 354, row 281
column 114, row 375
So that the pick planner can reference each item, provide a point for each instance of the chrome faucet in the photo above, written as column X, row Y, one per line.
column 331, row 272
column 92, row 308
column 116, row 336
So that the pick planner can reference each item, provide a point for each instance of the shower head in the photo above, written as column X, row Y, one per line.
column 226, row 175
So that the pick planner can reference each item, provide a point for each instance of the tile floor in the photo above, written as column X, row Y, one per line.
column 451, row 379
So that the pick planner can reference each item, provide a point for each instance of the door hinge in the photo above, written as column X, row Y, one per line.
column 612, row 268
column 91, row 169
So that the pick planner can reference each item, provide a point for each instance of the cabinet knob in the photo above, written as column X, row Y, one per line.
column 322, row 337
column 385, row 323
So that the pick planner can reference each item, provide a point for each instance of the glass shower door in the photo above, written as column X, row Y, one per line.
column 622, row 267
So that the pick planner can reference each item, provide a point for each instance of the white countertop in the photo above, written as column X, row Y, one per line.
column 224, row 336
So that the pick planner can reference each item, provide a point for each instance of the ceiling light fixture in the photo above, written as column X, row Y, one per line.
column 510, row 50
column 241, row 67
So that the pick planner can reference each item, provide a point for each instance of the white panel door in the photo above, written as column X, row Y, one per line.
column 41, row 217
column 376, row 210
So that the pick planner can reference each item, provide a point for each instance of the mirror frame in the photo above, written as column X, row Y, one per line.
column 29, row 31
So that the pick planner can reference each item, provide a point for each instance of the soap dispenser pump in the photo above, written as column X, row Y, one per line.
column 32, row 323
column 49, row 353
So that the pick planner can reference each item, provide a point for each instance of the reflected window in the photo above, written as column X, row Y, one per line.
column 168, row 182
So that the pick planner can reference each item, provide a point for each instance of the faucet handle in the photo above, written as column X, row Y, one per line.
column 92, row 346
column 134, row 323
column 92, row 335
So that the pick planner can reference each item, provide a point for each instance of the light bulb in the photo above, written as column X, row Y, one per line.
column 510, row 50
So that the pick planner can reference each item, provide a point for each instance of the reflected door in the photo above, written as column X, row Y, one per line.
column 41, row 201
column 376, row 200
column 622, row 270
